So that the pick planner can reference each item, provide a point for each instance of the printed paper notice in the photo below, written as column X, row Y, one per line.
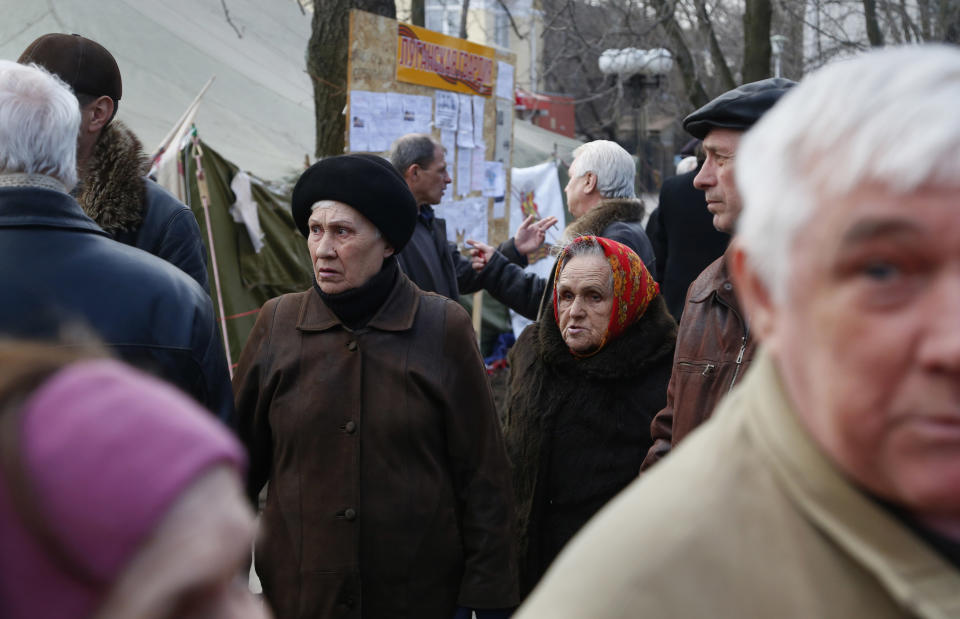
column 465, row 123
column 464, row 161
column 447, row 109
column 494, row 180
column 448, row 139
column 477, row 169
column 363, row 107
column 504, row 80
column 478, row 119
column 466, row 219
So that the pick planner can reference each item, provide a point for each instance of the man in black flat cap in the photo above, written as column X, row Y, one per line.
column 113, row 190
column 714, row 346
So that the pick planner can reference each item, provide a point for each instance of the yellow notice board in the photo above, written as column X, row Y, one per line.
column 436, row 60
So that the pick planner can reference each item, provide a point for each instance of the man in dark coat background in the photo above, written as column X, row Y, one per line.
column 683, row 238
column 113, row 190
column 431, row 261
column 714, row 343
column 61, row 272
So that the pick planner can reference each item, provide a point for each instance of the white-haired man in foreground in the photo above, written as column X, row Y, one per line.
column 828, row 485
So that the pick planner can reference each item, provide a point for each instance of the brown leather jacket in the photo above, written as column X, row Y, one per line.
column 714, row 349
column 390, row 491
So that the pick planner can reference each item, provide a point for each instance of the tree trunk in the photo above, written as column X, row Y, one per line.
column 463, row 18
column 950, row 20
column 923, row 6
column 678, row 45
column 874, row 36
column 757, row 15
column 418, row 13
column 327, row 66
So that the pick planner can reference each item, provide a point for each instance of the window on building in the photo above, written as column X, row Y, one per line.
column 443, row 16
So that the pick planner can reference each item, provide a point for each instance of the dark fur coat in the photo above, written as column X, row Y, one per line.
column 578, row 429
column 605, row 214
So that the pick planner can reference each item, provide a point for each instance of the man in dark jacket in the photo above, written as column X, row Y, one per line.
column 432, row 262
column 714, row 346
column 683, row 237
column 113, row 190
column 600, row 196
column 56, row 263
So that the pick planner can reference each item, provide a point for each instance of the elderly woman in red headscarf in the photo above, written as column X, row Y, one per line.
column 586, row 381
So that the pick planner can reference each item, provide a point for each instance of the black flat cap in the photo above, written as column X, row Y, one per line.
column 85, row 65
column 739, row 108
column 367, row 183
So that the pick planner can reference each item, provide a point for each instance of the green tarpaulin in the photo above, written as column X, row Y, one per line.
column 246, row 278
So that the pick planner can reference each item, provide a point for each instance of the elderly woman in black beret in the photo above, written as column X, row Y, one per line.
column 364, row 403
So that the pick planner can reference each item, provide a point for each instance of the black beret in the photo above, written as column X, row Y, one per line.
column 85, row 65
column 739, row 108
column 367, row 183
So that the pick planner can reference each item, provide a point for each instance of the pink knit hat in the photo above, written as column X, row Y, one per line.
column 103, row 453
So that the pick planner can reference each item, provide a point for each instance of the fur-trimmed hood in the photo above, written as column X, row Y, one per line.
column 112, row 191
column 597, row 219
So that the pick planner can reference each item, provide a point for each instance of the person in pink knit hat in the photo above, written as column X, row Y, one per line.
column 119, row 496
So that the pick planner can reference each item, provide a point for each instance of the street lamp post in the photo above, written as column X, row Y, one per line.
column 639, row 71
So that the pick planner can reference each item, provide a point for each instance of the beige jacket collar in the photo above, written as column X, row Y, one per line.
column 912, row 572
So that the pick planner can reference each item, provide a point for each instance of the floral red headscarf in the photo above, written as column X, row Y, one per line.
column 633, row 286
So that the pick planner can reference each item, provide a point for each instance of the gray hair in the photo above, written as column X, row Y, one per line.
column 887, row 117
column 586, row 248
column 613, row 166
column 413, row 148
column 322, row 204
column 39, row 123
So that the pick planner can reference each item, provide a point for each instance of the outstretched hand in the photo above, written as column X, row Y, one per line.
column 531, row 233
column 480, row 254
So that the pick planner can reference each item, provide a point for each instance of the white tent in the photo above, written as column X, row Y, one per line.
column 258, row 111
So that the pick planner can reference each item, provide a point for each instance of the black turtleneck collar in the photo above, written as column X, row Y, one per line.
column 355, row 307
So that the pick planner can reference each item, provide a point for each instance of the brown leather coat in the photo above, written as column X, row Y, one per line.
column 389, row 486
column 714, row 349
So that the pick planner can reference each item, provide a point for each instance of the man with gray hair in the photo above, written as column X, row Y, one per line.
column 60, row 269
column 429, row 259
column 828, row 483
column 601, row 198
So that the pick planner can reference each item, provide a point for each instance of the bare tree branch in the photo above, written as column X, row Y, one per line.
column 719, row 61
column 513, row 24
column 226, row 13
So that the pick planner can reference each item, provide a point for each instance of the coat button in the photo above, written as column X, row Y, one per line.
column 350, row 427
column 352, row 346
column 727, row 286
column 350, row 513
